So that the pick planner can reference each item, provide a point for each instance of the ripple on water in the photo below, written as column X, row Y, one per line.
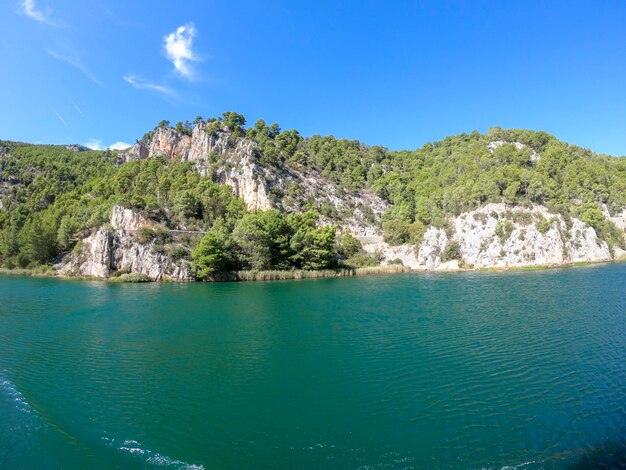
column 407, row 371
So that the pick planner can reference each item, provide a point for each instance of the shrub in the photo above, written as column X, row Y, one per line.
column 480, row 217
column 416, row 232
column 162, row 235
column 523, row 217
column 145, row 235
column 396, row 232
column 158, row 248
column 363, row 259
column 605, row 229
column 544, row 225
column 504, row 229
column 452, row 251
column 178, row 252
column 399, row 232
column 209, row 257
column 133, row 277
column 349, row 245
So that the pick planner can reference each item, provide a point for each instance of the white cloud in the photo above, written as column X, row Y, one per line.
column 178, row 49
column 96, row 144
column 119, row 145
column 74, row 62
column 31, row 10
column 142, row 84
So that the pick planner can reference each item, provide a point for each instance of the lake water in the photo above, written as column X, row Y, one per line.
column 473, row 370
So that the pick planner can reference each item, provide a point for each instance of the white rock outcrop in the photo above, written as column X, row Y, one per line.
column 432, row 246
column 232, row 161
column 495, row 236
column 502, row 237
column 105, row 252
column 127, row 219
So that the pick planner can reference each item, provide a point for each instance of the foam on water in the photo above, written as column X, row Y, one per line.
column 9, row 391
column 135, row 448
column 521, row 465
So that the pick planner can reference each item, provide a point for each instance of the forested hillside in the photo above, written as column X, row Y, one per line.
column 51, row 197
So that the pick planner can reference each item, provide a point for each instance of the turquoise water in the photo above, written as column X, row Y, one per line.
column 472, row 370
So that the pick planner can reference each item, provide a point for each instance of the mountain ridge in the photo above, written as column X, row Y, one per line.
column 409, row 207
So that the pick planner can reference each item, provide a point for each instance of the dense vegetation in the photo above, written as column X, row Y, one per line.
column 266, row 240
column 52, row 196
column 457, row 174
column 461, row 173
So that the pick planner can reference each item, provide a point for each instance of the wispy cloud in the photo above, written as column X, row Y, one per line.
column 60, row 117
column 178, row 49
column 75, row 62
column 96, row 144
column 76, row 106
column 142, row 84
column 30, row 9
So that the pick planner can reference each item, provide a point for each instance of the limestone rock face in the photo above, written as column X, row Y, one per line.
column 488, row 238
column 431, row 248
column 228, row 159
column 133, row 257
column 359, row 212
column 619, row 219
column 104, row 252
column 127, row 219
column 164, row 142
column 498, row 236
column 95, row 257
column 248, row 183
column 233, row 161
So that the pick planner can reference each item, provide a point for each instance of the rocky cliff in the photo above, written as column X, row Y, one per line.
column 233, row 161
column 494, row 236
column 115, row 250
column 501, row 237
column 236, row 165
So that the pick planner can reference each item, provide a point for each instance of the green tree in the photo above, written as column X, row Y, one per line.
column 262, row 239
column 349, row 245
column 311, row 247
column 208, row 257
column 67, row 229
column 396, row 232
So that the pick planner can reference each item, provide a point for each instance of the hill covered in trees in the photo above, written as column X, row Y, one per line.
column 219, row 196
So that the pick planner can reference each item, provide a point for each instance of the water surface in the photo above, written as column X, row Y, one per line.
column 471, row 370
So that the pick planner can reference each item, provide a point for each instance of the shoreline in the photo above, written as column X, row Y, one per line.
column 260, row 276
column 234, row 276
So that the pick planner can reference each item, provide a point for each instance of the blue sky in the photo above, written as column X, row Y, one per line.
column 392, row 73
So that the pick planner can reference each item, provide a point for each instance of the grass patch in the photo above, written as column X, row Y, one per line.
column 302, row 274
column 40, row 271
column 131, row 277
